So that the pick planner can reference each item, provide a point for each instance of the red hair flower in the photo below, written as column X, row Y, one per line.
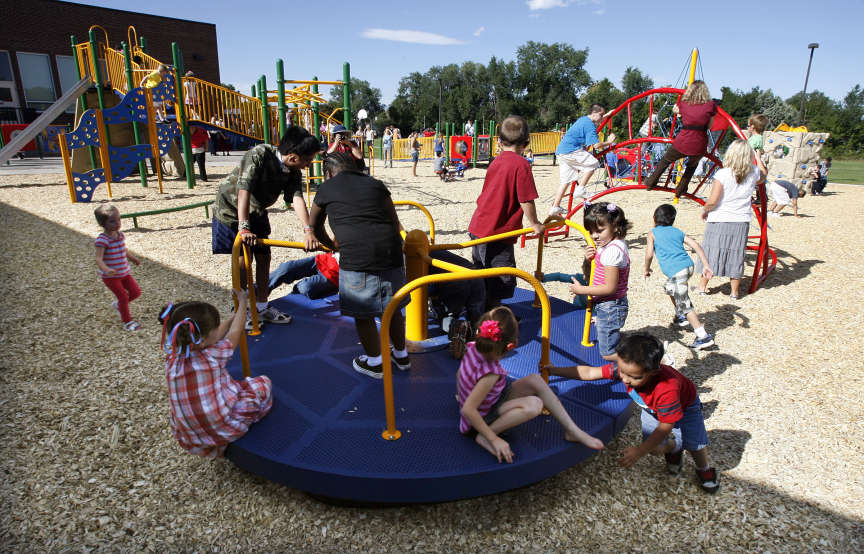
column 490, row 329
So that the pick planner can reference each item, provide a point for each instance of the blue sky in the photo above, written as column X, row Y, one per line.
column 742, row 43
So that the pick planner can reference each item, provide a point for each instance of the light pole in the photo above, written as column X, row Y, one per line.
column 439, row 103
column 812, row 46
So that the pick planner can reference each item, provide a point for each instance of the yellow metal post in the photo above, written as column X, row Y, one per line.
column 693, row 58
column 103, row 148
column 416, row 314
column 67, row 165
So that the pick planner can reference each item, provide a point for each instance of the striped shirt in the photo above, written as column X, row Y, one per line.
column 616, row 254
column 115, row 254
column 473, row 368
column 665, row 397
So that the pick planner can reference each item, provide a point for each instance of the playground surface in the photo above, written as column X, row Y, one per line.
column 88, row 460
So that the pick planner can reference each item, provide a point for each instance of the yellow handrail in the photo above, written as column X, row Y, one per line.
column 426, row 212
column 391, row 433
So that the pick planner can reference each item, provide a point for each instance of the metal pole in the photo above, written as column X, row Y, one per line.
column 280, row 87
column 97, row 78
column 316, row 122
column 812, row 46
column 346, row 95
column 180, row 111
column 439, row 103
column 265, row 108
column 130, row 84
column 82, row 100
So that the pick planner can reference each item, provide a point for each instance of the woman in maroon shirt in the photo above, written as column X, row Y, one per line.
column 697, row 112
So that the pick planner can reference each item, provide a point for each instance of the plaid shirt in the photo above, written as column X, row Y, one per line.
column 209, row 409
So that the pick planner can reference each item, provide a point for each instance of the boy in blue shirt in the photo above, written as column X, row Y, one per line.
column 668, row 243
column 576, row 163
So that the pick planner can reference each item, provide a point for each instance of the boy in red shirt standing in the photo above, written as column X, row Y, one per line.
column 671, row 410
column 508, row 193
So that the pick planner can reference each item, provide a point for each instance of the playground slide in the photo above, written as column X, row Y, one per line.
column 41, row 122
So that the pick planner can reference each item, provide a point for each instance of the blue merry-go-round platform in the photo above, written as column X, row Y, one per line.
column 323, row 434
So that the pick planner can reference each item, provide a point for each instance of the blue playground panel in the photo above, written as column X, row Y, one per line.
column 323, row 434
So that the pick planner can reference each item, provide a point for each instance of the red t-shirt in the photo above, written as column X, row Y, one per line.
column 666, row 396
column 328, row 266
column 198, row 138
column 693, row 142
column 508, row 183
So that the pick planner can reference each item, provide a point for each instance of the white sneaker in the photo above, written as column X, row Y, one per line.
column 579, row 191
column 558, row 211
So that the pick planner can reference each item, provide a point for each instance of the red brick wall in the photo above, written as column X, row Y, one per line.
column 44, row 26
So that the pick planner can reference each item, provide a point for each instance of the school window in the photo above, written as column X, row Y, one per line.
column 36, row 80
column 7, row 80
column 68, row 72
column 5, row 67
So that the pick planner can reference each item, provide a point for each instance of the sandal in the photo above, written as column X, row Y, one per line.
column 272, row 315
column 132, row 325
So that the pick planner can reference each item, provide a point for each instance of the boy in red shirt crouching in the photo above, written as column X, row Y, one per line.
column 671, row 410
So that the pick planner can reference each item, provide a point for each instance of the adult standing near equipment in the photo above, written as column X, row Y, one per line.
column 574, row 156
column 387, row 145
column 342, row 142
column 265, row 174
column 697, row 112
column 469, row 128
column 727, row 213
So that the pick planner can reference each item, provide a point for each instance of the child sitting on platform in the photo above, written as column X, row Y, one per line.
column 668, row 243
column 490, row 403
column 209, row 409
column 113, row 259
column 671, row 410
column 441, row 166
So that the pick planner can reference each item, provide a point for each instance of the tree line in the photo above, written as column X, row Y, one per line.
column 548, row 85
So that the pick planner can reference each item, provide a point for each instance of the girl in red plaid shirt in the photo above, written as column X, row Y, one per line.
column 209, row 409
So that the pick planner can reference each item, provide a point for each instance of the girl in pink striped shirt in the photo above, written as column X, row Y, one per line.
column 608, row 289
column 113, row 259
column 490, row 404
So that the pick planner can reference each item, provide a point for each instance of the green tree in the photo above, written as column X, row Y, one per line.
column 549, row 80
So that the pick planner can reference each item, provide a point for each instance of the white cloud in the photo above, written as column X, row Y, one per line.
column 546, row 4
column 405, row 35
column 534, row 15
column 479, row 31
column 601, row 11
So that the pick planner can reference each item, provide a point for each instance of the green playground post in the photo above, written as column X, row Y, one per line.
column 97, row 77
column 81, row 100
column 474, row 146
column 180, row 111
column 316, row 169
column 143, row 42
column 130, row 84
column 265, row 108
column 491, row 137
column 346, row 95
column 254, row 94
column 280, row 88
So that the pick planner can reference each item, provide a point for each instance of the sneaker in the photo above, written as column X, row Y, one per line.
column 674, row 462
column 703, row 343
column 460, row 335
column 709, row 480
column 361, row 365
column 773, row 214
column 116, row 306
column 249, row 322
column 272, row 315
column 558, row 211
column 681, row 321
column 131, row 325
column 403, row 363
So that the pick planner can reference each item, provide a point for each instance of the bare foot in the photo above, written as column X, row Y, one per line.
column 481, row 440
column 581, row 436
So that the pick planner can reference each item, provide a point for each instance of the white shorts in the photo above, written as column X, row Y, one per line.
column 779, row 194
column 573, row 164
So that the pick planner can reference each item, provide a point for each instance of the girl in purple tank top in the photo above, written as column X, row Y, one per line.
column 608, row 289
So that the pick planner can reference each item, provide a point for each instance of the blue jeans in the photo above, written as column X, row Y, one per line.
column 311, row 282
column 610, row 316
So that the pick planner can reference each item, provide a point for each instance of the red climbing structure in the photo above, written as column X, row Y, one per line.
column 766, row 259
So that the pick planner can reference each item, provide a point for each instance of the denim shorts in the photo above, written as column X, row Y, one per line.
column 365, row 294
column 610, row 316
column 415, row 155
column 689, row 431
